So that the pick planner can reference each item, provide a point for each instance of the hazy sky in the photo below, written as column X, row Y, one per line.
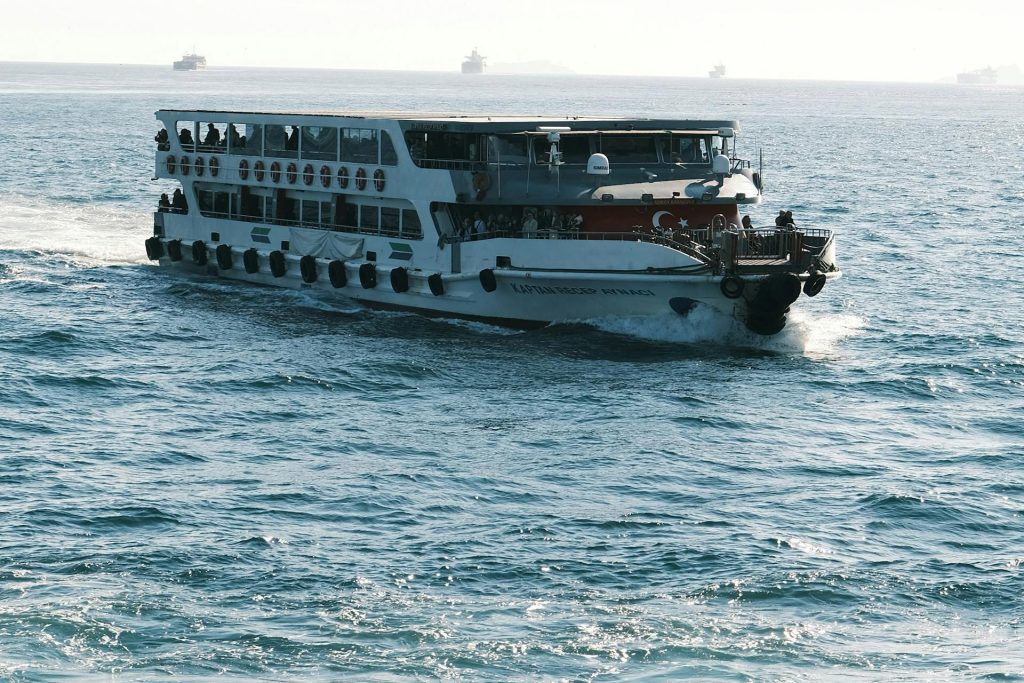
column 897, row 40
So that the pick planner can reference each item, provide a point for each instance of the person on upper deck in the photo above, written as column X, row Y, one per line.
column 178, row 203
column 162, row 140
column 780, row 220
column 164, row 205
column 293, row 140
column 747, row 225
column 234, row 139
column 212, row 138
column 789, row 224
column 185, row 137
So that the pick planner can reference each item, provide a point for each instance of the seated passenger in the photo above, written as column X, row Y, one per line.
column 212, row 138
column 163, row 143
column 165, row 204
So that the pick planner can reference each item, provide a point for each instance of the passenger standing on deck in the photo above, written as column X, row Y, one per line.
column 479, row 227
column 530, row 225
column 185, row 138
column 780, row 220
column 165, row 203
column 212, row 138
column 162, row 143
column 178, row 202
column 788, row 222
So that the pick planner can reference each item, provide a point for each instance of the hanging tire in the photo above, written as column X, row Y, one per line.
column 765, row 324
column 224, row 257
column 436, row 284
column 814, row 284
column 487, row 280
column 251, row 260
column 732, row 287
column 336, row 273
column 154, row 248
column 277, row 264
column 400, row 280
column 307, row 267
column 199, row 253
column 368, row 275
column 783, row 289
column 174, row 250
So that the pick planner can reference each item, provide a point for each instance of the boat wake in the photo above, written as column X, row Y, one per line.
column 806, row 333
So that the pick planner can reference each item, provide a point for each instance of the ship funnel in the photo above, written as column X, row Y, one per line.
column 597, row 164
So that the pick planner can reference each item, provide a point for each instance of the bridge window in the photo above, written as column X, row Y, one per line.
column 684, row 150
column 575, row 149
column 359, row 145
column 319, row 143
column 628, row 149
column 507, row 149
column 432, row 149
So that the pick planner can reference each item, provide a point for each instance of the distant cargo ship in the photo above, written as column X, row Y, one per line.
column 717, row 72
column 190, row 62
column 474, row 63
column 986, row 76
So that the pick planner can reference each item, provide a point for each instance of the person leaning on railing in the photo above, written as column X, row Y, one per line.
column 163, row 142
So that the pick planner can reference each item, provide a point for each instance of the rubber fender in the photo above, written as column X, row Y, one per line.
column 336, row 272
column 199, row 253
column 783, row 288
column 251, row 260
column 765, row 324
column 224, row 257
column 174, row 250
column 307, row 266
column 277, row 264
column 154, row 248
column 487, row 280
column 399, row 280
column 814, row 284
column 368, row 275
column 436, row 284
column 732, row 286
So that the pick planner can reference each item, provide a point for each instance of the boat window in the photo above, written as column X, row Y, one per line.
column 359, row 145
column 684, row 150
column 212, row 137
column 432, row 149
column 507, row 149
column 320, row 143
column 388, row 155
column 349, row 213
column 310, row 212
column 628, row 149
column 285, row 208
column 368, row 216
column 575, row 149
column 411, row 228
column 186, row 135
column 250, row 141
column 213, row 203
column 389, row 220
column 281, row 141
column 326, row 214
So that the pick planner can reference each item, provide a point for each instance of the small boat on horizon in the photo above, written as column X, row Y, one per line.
column 986, row 76
column 190, row 62
column 717, row 72
column 474, row 63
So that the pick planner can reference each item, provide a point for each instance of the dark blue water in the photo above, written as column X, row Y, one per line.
column 203, row 479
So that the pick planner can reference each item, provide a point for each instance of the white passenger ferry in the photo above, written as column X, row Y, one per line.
column 520, row 221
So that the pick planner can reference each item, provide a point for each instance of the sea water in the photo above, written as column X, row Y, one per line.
column 201, row 478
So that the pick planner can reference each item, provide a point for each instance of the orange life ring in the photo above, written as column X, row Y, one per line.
column 243, row 169
column 172, row 164
column 325, row 176
column 307, row 174
column 214, row 167
column 378, row 180
column 200, row 167
column 292, row 173
column 186, row 166
column 360, row 179
column 343, row 177
column 257, row 171
column 275, row 172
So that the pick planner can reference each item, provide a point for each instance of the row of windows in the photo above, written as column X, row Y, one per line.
column 337, row 213
column 320, row 143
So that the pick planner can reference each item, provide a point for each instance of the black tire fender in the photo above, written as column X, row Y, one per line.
column 278, row 267
column 487, row 280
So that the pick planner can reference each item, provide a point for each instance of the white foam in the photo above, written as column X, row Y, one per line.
column 92, row 234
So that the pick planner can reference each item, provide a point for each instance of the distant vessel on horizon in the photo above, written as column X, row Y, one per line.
column 190, row 62
column 474, row 63
column 717, row 72
column 986, row 76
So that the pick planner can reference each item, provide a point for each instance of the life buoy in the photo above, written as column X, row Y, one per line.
column 224, row 257
column 186, row 166
column 251, row 260
column 277, row 264
column 257, row 171
column 307, row 267
column 360, row 179
column 214, row 167
column 343, row 177
column 199, row 253
column 154, row 248
column 368, row 275
column 174, row 250
column 243, row 169
column 325, row 176
column 378, row 180
column 200, row 167
column 172, row 164
column 487, row 280
column 275, row 172
column 399, row 280
column 336, row 273
column 732, row 287
column 436, row 284
column 292, row 173
column 481, row 183
column 814, row 284
column 308, row 174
